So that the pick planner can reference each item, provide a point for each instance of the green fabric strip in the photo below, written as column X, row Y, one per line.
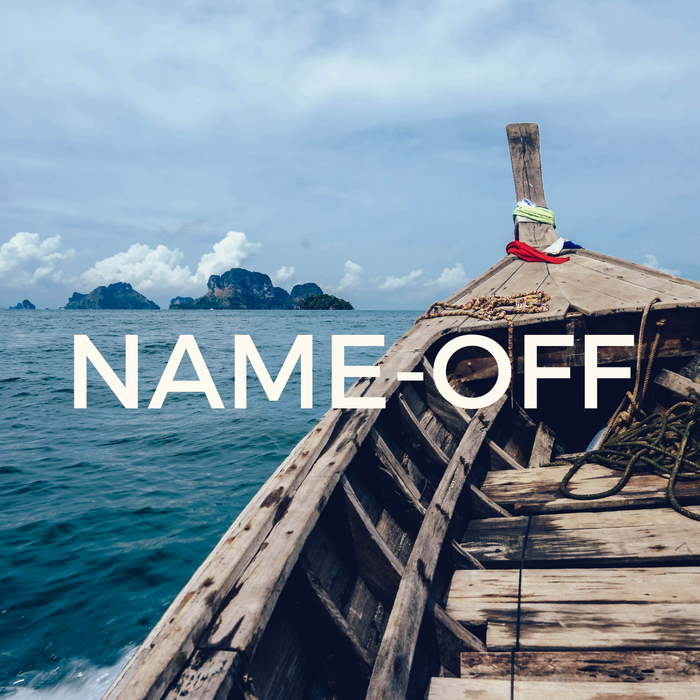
column 541, row 214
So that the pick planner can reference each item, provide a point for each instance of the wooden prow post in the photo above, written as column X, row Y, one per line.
column 524, row 145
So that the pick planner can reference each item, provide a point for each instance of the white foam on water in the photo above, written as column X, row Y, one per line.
column 76, row 679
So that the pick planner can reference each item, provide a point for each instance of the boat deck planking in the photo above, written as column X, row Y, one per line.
column 382, row 559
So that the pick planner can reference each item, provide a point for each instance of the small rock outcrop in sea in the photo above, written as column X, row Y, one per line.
column 180, row 301
column 243, row 289
column 26, row 304
column 324, row 302
column 120, row 295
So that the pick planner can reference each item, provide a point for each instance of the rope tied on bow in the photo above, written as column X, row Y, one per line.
column 494, row 308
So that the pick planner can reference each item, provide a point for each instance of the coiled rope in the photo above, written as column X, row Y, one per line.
column 494, row 308
column 666, row 443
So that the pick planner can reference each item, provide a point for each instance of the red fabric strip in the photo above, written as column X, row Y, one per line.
column 529, row 254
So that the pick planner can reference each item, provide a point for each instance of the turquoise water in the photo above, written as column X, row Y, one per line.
column 106, row 512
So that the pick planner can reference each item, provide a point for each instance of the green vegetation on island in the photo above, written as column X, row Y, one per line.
column 324, row 302
column 120, row 295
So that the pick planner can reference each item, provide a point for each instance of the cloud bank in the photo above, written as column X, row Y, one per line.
column 146, row 268
column 26, row 260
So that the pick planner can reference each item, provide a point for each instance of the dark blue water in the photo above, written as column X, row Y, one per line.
column 106, row 512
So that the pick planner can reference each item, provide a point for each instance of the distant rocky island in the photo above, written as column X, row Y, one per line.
column 235, row 289
column 243, row 289
column 120, row 295
column 26, row 304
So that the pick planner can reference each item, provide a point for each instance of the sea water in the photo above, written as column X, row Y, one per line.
column 105, row 512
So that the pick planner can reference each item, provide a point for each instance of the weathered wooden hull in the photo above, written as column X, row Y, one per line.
column 397, row 550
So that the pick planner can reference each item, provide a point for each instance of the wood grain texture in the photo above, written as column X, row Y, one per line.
column 488, row 689
column 241, row 623
column 334, row 619
column 393, row 664
column 524, row 146
column 637, row 608
column 611, row 538
column 210, row 676
column 679, row 385
column 554, row 626
column 382, row 571
column 634, row 667
column 474, row 593
column 663, row 286
column 542, row 447
column 534, row 491
column 423, row 445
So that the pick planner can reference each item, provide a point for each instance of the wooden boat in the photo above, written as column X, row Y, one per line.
column 421, row 550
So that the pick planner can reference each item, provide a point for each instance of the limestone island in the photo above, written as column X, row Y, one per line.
column 26, row 304
column 120, row 295
column 243, row 289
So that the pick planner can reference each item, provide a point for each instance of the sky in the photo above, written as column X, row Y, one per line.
column 357, row 145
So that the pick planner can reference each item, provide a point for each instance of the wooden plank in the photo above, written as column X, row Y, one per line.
column 335, row 620
column 524, row 146
column 692, row 369
column 474, row 595
column 542, row 447
column 488, row 689
column 637, row 667
column 382, row 571
column 537, row 490
column 456, row 419
column 172, row 641
column 528, row 278
column 627, row 290
column 393, row 664
column 554, row 626
column 241, row 623
column 410, row 504
column 194, row 681
column 663, row 286
column 485, row 505
column 609, row 538
column 619, row 262
column 421, row 442
column 596, row 294
column 679, row 385
column 501, row 460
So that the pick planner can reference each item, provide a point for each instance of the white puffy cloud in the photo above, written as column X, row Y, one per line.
column 26, row 260
column 352, row 276
column 283, row 274
column 228, row 252
column 147, row 268
column 652, row 262
column 392, row 283
column 450, row 278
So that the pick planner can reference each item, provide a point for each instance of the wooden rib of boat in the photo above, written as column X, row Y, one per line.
column 421, row 550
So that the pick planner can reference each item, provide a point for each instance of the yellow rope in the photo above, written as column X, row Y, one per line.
column 494, row 308
column 628, row 417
